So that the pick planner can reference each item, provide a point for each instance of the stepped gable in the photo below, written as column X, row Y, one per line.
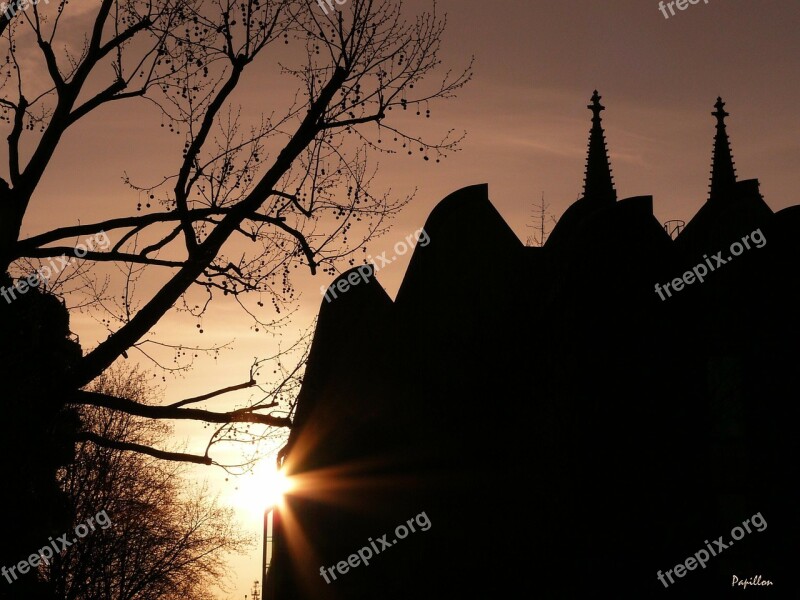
column 619, row 235
column 717, row 224
column 616, row 250
column 625, row 219
column 603, row 283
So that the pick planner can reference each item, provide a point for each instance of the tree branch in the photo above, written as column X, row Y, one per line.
column 99, row 24
column 357, row 121
column 100, row 98
column 118, row 342
column 181, row 191
column 244, row 415
column 50, row 61
column 88, row 436
column 13, row 139
column 123, row 37
column 232, row 388
column 161, row 243
column 119, row 223
column 103, row 256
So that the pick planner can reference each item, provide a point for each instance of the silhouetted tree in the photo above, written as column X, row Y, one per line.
column 167, row 540
column 295, row 183
column 539, row 215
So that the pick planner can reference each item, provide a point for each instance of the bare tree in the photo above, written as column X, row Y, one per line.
column 539, row 215
column 162, row 539
column 295, row 184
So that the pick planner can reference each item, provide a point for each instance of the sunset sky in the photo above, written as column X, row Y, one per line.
column 536, row 65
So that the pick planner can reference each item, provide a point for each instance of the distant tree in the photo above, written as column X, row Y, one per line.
column 168, row 539
column 539, row 216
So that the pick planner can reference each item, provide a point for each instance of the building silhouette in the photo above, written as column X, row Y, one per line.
column 632, row 430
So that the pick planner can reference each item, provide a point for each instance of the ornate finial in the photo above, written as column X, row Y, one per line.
column 595, row 106
column 720, row 112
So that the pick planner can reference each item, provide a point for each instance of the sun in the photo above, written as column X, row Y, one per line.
column 277, row 485
column 261, row 489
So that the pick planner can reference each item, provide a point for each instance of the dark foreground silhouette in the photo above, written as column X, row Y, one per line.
column 566, row 431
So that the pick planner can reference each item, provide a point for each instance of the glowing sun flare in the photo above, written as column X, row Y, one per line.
column 257, row 492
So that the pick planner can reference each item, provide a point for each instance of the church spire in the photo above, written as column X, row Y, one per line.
column 723, row 173
column 598, row 183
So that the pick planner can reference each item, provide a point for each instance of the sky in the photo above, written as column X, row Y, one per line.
column 536, row 65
